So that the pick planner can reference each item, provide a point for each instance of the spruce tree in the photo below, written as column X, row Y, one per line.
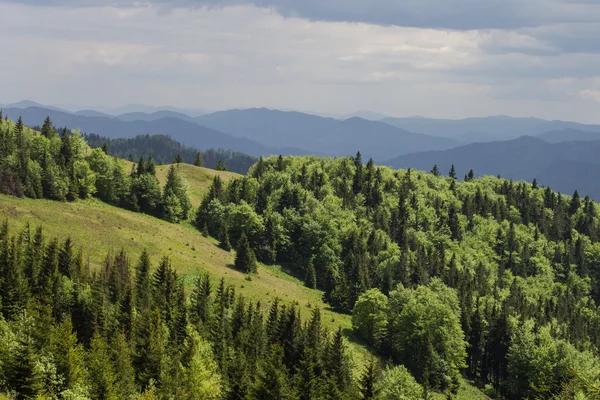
column 221, row 166
column 47, row 129
column 224, row 239
column 198, row 162
column 311, row 275
column 452, row 173
column 435, row 171
column 244, row 259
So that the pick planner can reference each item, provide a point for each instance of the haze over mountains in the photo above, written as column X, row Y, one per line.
column 560, row 154
column 565, row 166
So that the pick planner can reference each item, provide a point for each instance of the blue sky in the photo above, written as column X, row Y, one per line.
column 438, row 58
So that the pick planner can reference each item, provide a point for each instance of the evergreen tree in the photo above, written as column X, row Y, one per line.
column 452, row 173
column 224, row 239
column 245, row 259
column 198, row 162
column 221, row 166
column 178, row 159
column 311, row 275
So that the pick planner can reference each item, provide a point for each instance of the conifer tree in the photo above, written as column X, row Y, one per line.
column 435, row 171
column 224, row 239
column 178, row 159
column 150, row 167
column 198, row 161
column 311, row 275
column 221, row 166
column 244, row 259
column 47, row 129
column 452, row 173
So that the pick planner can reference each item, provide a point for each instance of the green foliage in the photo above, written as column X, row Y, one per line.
column 425, row 333
column 245, row 260
column 370, row 316
column 164, row 150
column 398, row 384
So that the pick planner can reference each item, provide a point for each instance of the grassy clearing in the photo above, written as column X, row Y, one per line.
column 198, row 179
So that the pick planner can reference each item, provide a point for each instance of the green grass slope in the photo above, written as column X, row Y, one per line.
column 198, row 179
column 99, row 228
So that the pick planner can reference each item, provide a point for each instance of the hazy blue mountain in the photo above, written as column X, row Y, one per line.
column 142, row 108
column 29, row 103
column 485, row 129
column 524, row 158
column 567, row 135
column 140, row 116
column 368, row 115
column 92, row 113
column 320, row 134
column 188, row 133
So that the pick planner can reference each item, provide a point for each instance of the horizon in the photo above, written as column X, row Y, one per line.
column 190, row 111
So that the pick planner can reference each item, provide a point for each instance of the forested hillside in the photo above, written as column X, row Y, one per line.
column 496, row 279
column 489, row 279
column 166, row 150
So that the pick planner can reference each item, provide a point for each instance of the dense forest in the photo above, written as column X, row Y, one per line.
column 165, row 150
column 71, row 333
column 495, row 280
column 61, row 166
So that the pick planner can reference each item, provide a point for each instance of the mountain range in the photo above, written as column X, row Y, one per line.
column 560, row 154
column 564, row 166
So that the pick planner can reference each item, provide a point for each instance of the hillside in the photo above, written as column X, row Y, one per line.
column 526, row 158
column 101, row 229
column 197, row 179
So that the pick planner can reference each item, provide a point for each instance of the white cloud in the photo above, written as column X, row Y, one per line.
column 590, row 95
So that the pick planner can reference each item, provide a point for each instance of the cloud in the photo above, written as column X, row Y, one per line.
column 447, row 14
column 307, row 56
column 590, row 95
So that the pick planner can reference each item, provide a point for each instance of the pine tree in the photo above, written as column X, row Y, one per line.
column 47, row 129
column 311, row 275
column 452, row 173
column 221, row 166
column 143, row 296
column 435, row 171
column 224, row 239
column 198, row 162
column 245, row 259
column 141, row 167
column 105, row 148
column 272, row 382
column 178, row 159
column 150, row 167
column 367, row 384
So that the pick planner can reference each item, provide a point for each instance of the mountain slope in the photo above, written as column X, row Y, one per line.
column 141, row 116
column 188, row 133
column 567, row 135
column 100, row 229
column 485, row 129
column 322, row 135
column 523, row 158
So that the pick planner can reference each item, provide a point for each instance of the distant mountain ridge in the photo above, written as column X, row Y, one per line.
column 322, row 134
column 485, row 129
column 565, row 166
column 187, row 133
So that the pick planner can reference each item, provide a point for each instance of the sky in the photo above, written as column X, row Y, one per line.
column 436, row 58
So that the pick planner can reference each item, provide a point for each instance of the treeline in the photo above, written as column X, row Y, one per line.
column 165, row 150
column 59, row 165
column 497, row 279
column 72, row 332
